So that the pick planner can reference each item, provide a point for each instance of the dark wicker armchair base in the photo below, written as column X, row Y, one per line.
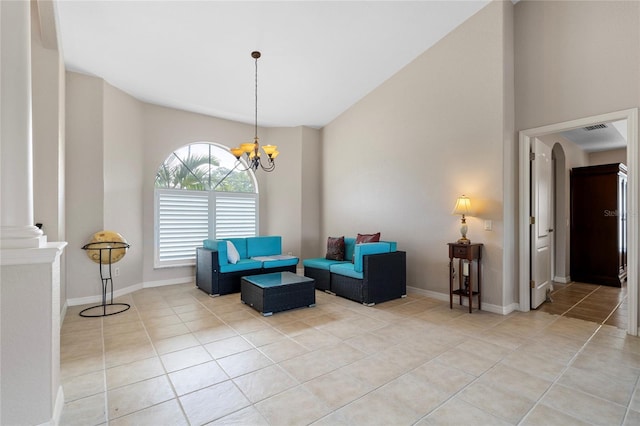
column 384, row 278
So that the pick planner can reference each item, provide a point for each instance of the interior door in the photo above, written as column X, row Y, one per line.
column 542, row 228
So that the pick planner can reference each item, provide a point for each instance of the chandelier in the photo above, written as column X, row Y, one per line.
column 250, row 151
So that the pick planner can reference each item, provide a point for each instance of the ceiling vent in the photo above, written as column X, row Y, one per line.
column 595, row 127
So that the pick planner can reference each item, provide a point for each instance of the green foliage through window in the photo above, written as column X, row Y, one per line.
column 203, row 167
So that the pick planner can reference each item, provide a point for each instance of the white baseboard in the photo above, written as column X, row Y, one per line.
column 124, row 291
column 496, row 309
column 563, row 280
column 98, row 298
column 428, row 293
column 182, row 280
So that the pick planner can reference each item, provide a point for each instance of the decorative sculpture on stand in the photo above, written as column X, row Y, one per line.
column 106, row 248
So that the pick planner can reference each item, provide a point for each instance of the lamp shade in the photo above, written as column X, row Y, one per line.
column 237, row 152
column 463, row 206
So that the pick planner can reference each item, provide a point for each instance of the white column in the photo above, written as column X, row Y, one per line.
column 17, row 229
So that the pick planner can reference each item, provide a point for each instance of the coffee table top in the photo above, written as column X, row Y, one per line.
column 276, row 279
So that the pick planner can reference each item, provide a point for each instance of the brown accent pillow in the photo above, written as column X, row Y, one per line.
column 335, row 248
column 368, row 238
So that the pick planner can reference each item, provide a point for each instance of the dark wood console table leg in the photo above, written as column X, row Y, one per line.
column 470, row 287
column 451, row 283
column 479, row 282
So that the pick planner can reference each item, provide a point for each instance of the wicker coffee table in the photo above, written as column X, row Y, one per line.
column 278, row 291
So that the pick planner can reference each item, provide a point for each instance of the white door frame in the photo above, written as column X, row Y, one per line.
column 525, row 138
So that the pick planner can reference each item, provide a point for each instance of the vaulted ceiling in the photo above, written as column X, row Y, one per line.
column 318, row 57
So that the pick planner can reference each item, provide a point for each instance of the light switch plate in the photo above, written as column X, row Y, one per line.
column 488, row 225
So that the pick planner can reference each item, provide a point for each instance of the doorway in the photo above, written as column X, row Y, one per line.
column 526, row 138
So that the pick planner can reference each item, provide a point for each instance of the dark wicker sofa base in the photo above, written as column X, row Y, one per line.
column 384, row 278
column 322, row 277
column 215, row 283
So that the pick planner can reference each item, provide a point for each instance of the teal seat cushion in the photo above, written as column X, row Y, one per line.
column 242, row 265
column 321, row 263
column 348, row 269
column 267, row 264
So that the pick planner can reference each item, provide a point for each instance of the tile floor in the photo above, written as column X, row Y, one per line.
column 591, row 302
column 179, row 357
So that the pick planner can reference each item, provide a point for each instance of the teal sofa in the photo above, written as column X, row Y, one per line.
column 371, row 272
column 217, row 275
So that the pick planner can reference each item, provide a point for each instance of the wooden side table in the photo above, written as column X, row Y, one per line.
column 471, row 253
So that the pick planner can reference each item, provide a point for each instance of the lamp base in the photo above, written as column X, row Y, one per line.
column 464, row 240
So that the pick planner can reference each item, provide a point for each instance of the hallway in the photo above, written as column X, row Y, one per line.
column 589, row 302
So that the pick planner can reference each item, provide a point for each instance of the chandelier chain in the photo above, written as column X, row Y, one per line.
column 256, row 96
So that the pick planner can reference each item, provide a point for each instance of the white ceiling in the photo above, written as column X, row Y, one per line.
column 318, row 57
column 612, row 136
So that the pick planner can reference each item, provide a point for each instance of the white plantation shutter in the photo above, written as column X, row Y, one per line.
column 184, row 218
column 182, row 222
column 236, row 215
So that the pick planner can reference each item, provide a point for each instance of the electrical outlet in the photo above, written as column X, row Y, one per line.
column 116, row 272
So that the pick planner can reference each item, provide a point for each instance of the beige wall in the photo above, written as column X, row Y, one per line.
column 311, row 159
column 123, row 177
column 608, row 157
column 104, row 181
column 292, row 203
column 84, row 180
column 397, row 160
column 575, row 59
column 281, row 191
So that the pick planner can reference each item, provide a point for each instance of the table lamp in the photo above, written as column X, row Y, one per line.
column 463, row 206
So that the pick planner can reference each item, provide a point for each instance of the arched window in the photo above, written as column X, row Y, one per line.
column 200, row 194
